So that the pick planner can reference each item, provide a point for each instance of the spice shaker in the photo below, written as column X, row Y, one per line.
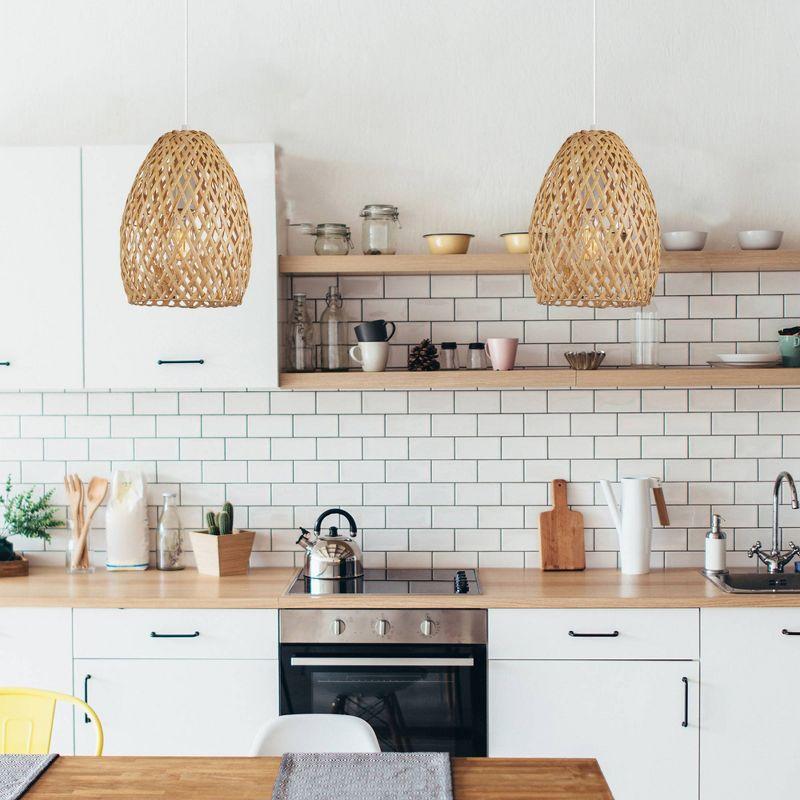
column 449, row 355
column 715, row 548
column 476, row 356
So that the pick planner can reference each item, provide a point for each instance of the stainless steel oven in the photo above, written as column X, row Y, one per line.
column 417, row 676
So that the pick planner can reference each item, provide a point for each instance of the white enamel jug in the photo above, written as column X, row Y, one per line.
column 633, row 521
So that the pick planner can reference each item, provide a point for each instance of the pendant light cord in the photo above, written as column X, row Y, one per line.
column 185, row 65
column 594, row 76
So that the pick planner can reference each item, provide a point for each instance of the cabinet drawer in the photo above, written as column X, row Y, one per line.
column 668, row 634
column 175, row 633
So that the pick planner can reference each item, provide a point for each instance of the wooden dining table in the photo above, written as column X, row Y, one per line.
column 147, row 778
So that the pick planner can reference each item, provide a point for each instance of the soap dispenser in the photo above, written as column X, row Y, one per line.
column 715, row 548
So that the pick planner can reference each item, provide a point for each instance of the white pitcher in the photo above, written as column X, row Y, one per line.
column 633, row 521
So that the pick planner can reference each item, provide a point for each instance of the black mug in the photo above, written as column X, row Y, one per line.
column 374, row 331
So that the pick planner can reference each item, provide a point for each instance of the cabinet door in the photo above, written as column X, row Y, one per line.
column 124, row 343
column 36, row 652
column 626, row 714
column 40, row 261
column 749, row 717
column 176, row 708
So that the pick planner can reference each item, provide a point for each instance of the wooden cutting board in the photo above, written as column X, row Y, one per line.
column 561, row 533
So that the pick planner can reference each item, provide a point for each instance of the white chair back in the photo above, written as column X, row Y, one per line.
column 315, row 733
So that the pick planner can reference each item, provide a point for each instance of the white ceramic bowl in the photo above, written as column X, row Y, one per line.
column 516, row 242
column 760, row 240
column 448, row 244
column 684, row 240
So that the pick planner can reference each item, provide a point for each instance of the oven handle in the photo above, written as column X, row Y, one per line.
column 313, row 661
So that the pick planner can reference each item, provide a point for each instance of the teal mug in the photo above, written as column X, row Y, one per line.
column 790, row 350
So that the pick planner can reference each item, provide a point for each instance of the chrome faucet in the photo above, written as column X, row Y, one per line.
column 775, row 560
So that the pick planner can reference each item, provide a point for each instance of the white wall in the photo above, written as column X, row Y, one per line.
column 449, row 108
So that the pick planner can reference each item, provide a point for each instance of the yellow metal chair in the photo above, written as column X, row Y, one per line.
column 26, row 719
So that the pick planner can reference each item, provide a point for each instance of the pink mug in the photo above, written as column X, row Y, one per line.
column 502, row 352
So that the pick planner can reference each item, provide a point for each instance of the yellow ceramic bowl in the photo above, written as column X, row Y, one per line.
column 448, row 244
column 516, row 242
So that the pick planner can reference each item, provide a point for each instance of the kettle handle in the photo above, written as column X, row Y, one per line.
column 661, row 506
column 330, row 512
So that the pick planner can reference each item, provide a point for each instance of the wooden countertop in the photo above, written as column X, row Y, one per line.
column 265, row 587
column 126, row 778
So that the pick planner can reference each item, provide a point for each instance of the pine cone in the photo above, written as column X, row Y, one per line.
column 423, row 357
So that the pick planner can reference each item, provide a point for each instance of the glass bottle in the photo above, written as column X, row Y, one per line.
column 379, row 230
column 449, row 355
column 476, row 356
column 302, row 341
column 333, row 239
column 169, row 544
column 646, row 336
column 333, row 333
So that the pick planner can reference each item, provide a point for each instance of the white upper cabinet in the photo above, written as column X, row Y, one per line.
column 143, row 347
column 40, row 262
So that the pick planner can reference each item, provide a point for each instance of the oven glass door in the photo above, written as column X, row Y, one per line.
column 430, row 698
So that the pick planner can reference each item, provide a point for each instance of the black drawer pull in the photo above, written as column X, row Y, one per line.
column 154, row 635
column 162, row 361
column 685, row 723
column 790, row 633
column 5, row 363
column 86, row 680
column 612, row 635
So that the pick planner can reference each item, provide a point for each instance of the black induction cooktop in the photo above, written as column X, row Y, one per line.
column 394, row 582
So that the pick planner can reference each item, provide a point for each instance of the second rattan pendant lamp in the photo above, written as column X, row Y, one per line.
column 594, row 232
column 185, row 238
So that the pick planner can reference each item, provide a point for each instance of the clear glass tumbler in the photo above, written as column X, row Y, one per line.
column 78, row 555
column 646, row 337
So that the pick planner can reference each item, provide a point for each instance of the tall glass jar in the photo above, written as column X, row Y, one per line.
column 379, row 230
column 169, row 541
column 646, row 337
column 333, row 333
column 301, row 345
column 333, row 239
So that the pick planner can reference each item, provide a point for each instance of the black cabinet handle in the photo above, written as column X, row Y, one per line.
column 685, row 723
column 790, row 633
column 154, row 635
column 180, row 361
column 612, row 635
column 5, row 363
column 86, row 679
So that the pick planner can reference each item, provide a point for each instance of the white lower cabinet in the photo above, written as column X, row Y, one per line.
column 551, row 696
column 750, row 736
column 36, row 652
column 172, row 707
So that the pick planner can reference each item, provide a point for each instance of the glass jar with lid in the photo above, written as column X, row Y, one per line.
column 379, row 230
column 301, row 343
column 476, row 356
column 449, row 355
column 332, row 239
column 333, row 333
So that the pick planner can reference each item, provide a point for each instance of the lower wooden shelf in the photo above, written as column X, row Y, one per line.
column 544, row 378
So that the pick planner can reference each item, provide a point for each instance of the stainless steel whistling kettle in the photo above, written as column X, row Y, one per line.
column 331, row 555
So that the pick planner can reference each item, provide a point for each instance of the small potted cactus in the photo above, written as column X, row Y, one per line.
column 220, row 550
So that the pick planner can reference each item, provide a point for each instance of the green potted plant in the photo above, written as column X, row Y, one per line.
column 23, row 515
column 220, row 550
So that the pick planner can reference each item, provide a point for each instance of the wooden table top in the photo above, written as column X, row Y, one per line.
column 265, row 587
column 135, row 778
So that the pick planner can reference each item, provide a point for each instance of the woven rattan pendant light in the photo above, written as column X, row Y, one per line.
column 185, row 238
column 594, row 232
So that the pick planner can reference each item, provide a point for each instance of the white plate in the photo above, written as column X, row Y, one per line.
column 743, row 359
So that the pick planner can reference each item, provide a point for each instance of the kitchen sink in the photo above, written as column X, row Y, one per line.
column 761, row 582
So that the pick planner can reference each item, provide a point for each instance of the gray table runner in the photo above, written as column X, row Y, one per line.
column 18, row 772
column 364, row 776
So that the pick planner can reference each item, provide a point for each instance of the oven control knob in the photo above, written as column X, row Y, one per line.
column 337, row 627
column 381, row 627
column 426, row 627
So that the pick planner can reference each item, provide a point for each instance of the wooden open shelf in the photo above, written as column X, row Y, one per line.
column 507, row 264
column 544, row 378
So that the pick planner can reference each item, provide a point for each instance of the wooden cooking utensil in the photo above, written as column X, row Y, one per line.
column 95, row 494
column 74, row 487
column 561, row 533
